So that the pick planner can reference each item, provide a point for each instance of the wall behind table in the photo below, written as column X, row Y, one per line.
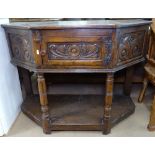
column 10, row 91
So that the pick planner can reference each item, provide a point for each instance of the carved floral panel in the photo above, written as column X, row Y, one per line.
column 131, row 45
column 69, row 51
column 20, row 47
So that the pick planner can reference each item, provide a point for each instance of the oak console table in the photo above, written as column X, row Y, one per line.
column 79, row 47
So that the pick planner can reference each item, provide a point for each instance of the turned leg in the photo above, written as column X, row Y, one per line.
column 142, row 93
column 44, row 104
column 151, row 125
column 128, row 81
column 108, row 103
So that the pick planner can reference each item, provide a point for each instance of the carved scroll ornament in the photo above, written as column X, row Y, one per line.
column 20, row 47
column 79, row 51
column 130, row 45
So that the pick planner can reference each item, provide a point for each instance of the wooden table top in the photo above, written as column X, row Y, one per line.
column 78, row 24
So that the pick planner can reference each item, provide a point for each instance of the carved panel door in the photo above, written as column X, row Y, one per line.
column 90, row 51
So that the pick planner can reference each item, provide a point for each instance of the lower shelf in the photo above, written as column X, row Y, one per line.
column 78, row 112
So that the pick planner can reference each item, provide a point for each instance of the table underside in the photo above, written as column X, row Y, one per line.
column 78, row 112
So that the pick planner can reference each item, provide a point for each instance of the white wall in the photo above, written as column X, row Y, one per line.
column 10, row 92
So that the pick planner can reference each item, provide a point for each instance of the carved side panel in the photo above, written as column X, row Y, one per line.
column 72, row 51
column 130, row 45
column 21, row 47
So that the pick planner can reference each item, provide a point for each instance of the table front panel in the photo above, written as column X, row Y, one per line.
column 80, row 50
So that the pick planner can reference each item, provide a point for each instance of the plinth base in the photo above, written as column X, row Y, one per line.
column 78, row 112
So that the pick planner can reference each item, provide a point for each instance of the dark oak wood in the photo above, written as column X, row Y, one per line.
column 44, row 104
column 128, row 81
column 26, row 78
column 78, row 112
column 78, row 48
column 116, row 45
column 108, row 103
column 78, row 24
